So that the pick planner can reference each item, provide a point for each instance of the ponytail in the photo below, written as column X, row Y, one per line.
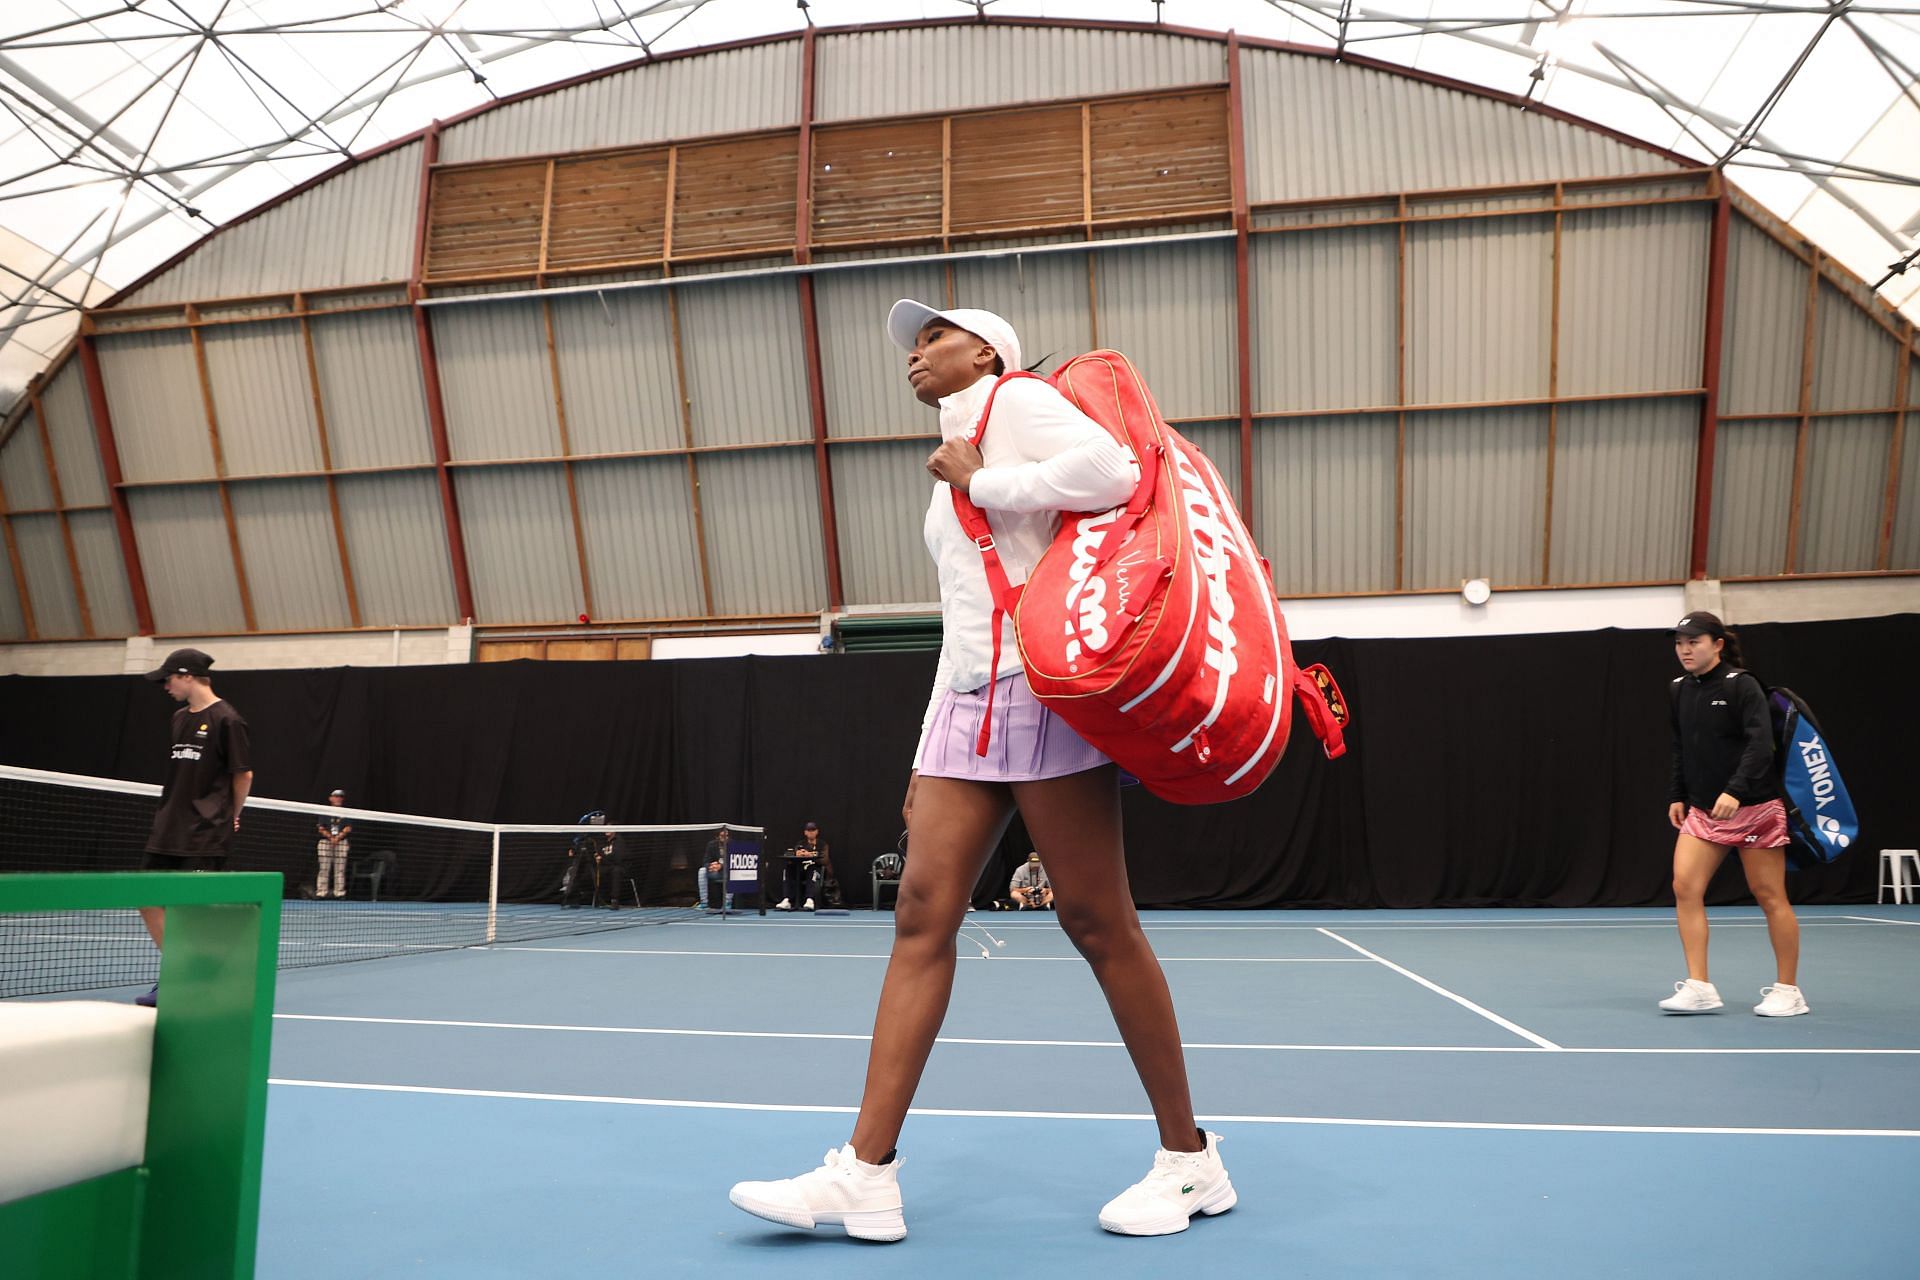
column 1732, row 655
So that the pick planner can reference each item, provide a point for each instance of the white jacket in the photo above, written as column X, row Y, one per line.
column 1041, row 456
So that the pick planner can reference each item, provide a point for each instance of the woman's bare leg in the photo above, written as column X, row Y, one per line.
column 954, row 827
column 1694, row 862
column 1075, row 825
column 1767, row 879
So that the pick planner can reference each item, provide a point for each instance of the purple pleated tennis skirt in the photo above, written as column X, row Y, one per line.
column 1029, row 742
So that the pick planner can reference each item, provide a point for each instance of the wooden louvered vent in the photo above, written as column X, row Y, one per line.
column 485, row 220
column 1073, row 166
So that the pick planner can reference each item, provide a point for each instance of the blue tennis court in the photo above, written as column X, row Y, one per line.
column 1484, row 1093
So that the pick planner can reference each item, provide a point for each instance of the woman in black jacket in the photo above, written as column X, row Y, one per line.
column 1726, row 795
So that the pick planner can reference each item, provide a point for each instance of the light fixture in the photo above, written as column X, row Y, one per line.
column 1476, row 591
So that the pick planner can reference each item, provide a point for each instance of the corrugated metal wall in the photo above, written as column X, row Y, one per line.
column 1321, row 134
column 354, row 228
column 286, row 530
column 1171, row 309
column 910, row 72
column 1766, row 324
column 96, row 545
column 1323, row 319
column 397, row 540
column 746, row 373
column 1844, row 490
column 1476, row 496
column 153, row 396
column 23, row 467
column 1323, row 502
column 1633, row 299
column 262, row 398
column 1905, row 551
column 497, row 382
column 182, row 537
column 616, row 369
column 1623, row 490
column 733, row 91
column 13, row 623
column 376, row 406
column 75, row 449
column 762, row 513
column 520, row 548
column 1854, row 360
column 883, row 551
column 637, row 518
column 1479, row 310
column 1752, row 498
column 43, row 557
column 1044, row 296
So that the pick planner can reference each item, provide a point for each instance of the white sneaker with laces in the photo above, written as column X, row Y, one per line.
column 1181, row 1184
column 863, row 1199
column 1693, row 996
column 1781, row 1001
column 785, row 904
column 807, row 905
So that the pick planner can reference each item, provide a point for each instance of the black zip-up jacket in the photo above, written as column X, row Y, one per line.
column 1722, row 739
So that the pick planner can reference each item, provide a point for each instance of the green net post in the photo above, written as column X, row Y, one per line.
column 206, row 1123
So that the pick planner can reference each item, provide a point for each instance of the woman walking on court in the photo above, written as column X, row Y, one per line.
column 1725, row 795
column 1042, row 457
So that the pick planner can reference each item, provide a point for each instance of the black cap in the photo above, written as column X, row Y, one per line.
column 811, row 825
column 1699, row 623
column 183, row 662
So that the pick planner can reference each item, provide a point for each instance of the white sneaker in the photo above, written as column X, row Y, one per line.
column 1181, row 1184
column 807, row 905
column 863, row 1199
column 785, row 904
column 1692, row 996
column 1781, row 1001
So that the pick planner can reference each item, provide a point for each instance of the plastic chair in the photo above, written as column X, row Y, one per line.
column 371, row 867
column 1895, row 876
column 887, row 869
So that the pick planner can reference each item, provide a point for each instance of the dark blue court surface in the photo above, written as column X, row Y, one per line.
column 1483, row 1094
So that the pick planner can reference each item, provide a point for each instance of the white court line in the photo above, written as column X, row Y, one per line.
column 1435, row 987
column 962, row 1113
column 871, row 955
column 1740, row 923
column 1070, row 1044
column 1883, row 920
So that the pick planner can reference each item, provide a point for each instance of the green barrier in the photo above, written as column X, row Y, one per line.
column 193, row 1209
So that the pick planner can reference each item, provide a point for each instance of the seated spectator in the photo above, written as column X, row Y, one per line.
column 715, row 865
column 1030, row 887
column 806, row 869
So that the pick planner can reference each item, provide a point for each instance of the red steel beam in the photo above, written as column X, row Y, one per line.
column 810, row 326
column 1716, row 318
column 430, row 375
column 110, row 468
column 1242, row 293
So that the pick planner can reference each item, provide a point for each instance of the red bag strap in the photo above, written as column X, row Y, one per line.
column 973, row 521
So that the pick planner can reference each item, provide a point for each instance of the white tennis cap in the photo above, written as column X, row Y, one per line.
column 908, row 318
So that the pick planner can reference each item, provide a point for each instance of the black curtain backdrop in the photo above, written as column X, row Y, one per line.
column 1505, row 770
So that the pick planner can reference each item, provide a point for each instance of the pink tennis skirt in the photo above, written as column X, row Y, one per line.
column 1029, row 742
column 1752, row 826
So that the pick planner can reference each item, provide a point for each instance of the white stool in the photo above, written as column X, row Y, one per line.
column 1895, row 876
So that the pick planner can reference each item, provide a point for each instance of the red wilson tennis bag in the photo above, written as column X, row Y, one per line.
column 1152, row 628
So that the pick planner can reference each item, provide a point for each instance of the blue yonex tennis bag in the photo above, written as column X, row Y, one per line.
column 1820, row 814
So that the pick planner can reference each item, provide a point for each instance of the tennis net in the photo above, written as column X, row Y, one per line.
column 409, row 883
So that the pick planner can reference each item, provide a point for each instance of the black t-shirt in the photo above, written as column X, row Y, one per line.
column 196, row 805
